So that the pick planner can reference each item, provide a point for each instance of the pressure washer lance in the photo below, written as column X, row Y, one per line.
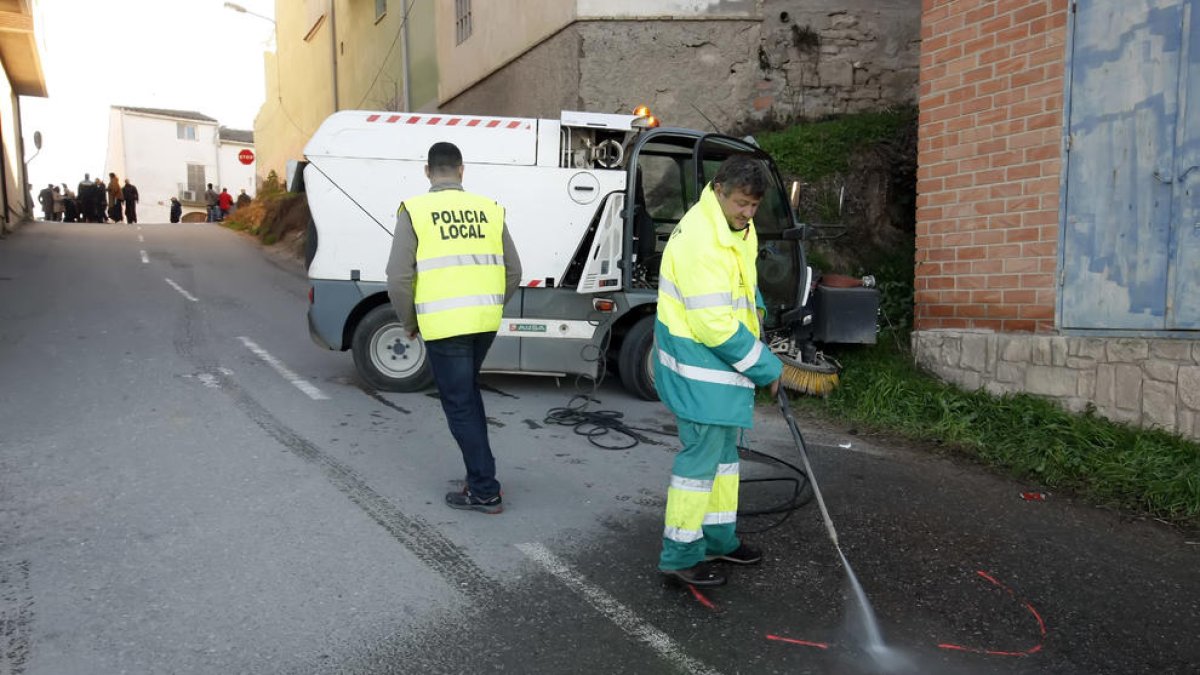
column 885, row 657
column 791, row 422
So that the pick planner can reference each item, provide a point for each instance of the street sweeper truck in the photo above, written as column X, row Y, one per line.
column 590, row 200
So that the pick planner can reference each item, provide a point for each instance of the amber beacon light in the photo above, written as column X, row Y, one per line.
column 646, row 118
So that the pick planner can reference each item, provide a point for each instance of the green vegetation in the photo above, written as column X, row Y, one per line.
column 1108, row 463
column 273, row 214
column 1111, row 464
column 816, row 150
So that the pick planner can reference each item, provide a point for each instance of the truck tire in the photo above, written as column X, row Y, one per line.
column 635, row 362
column 386, row 359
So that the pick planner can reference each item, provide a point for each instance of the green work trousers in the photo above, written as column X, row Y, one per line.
column 701, row 517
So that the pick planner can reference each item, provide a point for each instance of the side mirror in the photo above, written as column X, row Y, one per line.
column 794, row 195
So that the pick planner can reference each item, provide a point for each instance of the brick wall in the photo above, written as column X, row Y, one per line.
column 990, row 159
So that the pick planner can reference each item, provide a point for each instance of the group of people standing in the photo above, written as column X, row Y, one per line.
column 221, row 204
column 92, row 202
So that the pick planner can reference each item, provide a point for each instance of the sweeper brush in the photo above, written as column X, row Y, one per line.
column 818, row 378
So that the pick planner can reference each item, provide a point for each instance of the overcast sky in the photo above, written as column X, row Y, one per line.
column 181, row 54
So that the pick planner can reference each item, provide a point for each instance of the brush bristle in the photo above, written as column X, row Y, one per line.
column 809, row 382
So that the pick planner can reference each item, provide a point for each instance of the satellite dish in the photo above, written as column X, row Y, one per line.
column 37, row 140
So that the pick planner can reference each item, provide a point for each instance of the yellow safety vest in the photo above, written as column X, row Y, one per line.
column 459, row 284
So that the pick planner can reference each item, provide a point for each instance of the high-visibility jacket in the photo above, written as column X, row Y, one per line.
column 459, row 284
column 709, row 355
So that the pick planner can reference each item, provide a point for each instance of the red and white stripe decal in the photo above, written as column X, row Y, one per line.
column 441, row 121
column 535, row 283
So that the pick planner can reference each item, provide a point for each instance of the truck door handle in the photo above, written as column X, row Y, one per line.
column 583, row 188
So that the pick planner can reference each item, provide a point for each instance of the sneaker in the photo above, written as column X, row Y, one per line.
column 742, row 555
column 467, row 501
column 701, row 575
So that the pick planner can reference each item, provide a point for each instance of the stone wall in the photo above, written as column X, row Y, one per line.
column 796, row 60
column 1152, row 382
column 540, row 83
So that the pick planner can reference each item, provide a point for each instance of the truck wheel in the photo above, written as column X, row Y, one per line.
column 385, row 357
column 635, row 362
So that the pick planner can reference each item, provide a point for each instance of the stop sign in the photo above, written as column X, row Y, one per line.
column 246, row 156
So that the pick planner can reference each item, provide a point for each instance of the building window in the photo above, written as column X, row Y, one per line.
column 462, row 20
column 195, row 184
column 380, row 9
column 185, row 132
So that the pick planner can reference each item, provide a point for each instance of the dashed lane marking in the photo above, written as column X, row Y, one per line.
column 182, row 292
column 624, row 618
column 145, row 258
column 287, row 374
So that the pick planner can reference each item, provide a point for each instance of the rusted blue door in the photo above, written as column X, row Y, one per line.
column 1132, row 233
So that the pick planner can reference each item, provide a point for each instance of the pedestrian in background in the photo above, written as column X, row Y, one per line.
column 709, row 360
column 243, row 200
column 46, row 199
column 70, row 207
column 210, row 203
column 224, row 203
column 58, row 205
column 448, row 282
column 176, row 210
column 130, row 194
column 99, row 199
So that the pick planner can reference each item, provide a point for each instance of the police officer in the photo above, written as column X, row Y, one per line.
column 452, row 267
column 709, row 361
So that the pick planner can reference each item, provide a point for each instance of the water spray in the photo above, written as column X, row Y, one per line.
column 886, row 658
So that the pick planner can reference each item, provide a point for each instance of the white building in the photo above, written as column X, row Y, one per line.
column 176, row 153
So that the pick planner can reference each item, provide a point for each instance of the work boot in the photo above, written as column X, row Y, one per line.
column 468, row 501
column 742, row 555
column 701, row 575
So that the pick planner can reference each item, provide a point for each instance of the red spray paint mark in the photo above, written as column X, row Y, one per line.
column 1033, row 496
column 702, row 600
column 805, row 643
column 993, row 652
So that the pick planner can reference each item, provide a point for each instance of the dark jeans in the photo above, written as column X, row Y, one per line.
column 455, row 362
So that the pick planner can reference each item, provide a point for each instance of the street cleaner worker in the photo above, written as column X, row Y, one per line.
column 709, row 361
column 453, row 265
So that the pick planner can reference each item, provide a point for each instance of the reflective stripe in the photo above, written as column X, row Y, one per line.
column 727, row 469
column 704, row 374
column 707, row 300
column 751, row 358
column 720, row 518
column 458, row 261
column 665, row 285
column 691, row 484
column 681, row 535
column 458, row 303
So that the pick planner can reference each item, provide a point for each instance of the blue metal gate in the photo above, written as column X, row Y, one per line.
column 1131, row 240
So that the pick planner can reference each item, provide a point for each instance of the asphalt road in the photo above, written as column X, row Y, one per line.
column 189, row 485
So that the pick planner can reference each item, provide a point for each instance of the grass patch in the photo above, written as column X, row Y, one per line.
column 1108, row 463
column 816, row 150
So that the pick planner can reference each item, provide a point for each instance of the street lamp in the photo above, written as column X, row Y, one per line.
column 238, row 8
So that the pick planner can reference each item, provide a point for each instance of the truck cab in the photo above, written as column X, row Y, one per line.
column 590, row 201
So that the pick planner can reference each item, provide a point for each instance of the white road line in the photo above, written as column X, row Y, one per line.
column 304, row 386
column 182, row 292
column 145, row 258
column 141, row 238
column 619, row 614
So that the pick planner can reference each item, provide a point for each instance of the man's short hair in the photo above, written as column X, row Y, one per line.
column 444, row 157
column 745, row 173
